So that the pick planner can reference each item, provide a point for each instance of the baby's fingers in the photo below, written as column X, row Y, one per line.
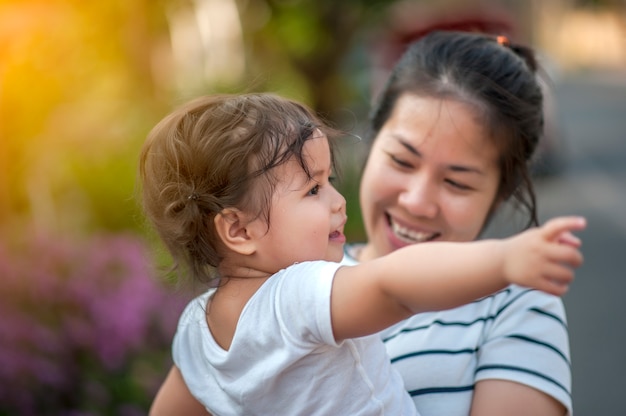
column 556, row 227
column 556, row 279
column 566, row 255
column 554, row 287
column 559, row 274
column 569, row 239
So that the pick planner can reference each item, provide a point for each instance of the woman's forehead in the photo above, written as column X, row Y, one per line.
column 426, row 123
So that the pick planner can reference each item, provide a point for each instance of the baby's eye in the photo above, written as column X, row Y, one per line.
column 314, row 191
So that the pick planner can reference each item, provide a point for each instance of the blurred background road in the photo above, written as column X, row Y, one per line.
column 593, row 111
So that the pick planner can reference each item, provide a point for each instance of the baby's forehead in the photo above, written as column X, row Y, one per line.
column 291, row 177
column 314, row 159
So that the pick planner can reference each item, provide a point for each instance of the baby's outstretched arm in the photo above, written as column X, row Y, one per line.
column 425, row 277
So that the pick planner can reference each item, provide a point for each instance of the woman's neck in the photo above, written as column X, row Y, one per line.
column 365, row 252
column 354, row 251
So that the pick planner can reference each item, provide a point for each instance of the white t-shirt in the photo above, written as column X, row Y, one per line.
column 517, row 334
column 283, row 358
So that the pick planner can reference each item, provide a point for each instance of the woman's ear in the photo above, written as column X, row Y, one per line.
column 231, row 225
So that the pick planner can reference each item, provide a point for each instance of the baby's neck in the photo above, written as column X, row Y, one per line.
column 240, row 281
column 226, row 304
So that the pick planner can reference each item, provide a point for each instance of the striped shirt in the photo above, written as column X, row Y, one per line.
column 517, row 334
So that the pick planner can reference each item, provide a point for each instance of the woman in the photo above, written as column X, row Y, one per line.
column 453, row 131
column 452, row 134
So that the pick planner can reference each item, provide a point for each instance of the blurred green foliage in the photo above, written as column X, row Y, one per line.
column 75, row 100
column 81, row 84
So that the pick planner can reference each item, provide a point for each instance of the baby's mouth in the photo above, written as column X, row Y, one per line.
column 410, row 236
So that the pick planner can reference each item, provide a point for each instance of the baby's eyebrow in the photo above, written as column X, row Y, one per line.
column 318, row 172
column 301, row 179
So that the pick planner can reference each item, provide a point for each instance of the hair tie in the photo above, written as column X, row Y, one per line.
column 193, row 197
column 502, row 40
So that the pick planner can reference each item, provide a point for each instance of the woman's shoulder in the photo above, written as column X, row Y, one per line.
column 518, row 298
column 512, row 305
column 517, row 334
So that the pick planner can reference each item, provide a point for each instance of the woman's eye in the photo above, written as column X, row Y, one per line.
column 400, row 162
column 458, row 185
column 314, row 191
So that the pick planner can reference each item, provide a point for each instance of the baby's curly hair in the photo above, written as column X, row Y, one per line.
column 218, row 152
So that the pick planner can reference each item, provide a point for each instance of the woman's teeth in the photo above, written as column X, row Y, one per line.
column 410, row 236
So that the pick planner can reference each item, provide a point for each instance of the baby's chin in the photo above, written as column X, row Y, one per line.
column 336, row 257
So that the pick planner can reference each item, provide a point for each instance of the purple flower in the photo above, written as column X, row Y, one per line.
column 80, row 310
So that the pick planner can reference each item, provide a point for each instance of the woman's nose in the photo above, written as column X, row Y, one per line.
column 420, row 197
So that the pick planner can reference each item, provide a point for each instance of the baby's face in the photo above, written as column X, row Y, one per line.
column 307, row 216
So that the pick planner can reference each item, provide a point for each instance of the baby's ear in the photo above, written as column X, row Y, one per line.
column 231, row 225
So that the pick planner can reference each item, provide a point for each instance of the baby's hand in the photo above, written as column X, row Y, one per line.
column 544, row 258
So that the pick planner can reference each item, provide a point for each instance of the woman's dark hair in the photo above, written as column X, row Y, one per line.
column 493, row 75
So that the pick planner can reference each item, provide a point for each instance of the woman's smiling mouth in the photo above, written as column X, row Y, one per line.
column 409, row 236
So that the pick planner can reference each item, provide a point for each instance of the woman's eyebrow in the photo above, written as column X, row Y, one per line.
column 407, row 146
column 465, row 169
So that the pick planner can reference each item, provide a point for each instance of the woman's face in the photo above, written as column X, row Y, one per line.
column 432, row 175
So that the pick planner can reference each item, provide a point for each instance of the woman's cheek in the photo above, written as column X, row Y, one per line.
column 465, row 216
column 377, row 182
